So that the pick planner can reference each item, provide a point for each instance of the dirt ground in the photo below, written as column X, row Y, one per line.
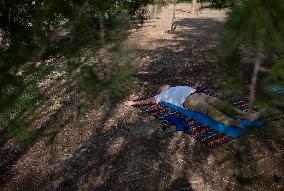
column 114, row 147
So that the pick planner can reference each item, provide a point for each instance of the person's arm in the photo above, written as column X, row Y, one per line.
column 141, row 102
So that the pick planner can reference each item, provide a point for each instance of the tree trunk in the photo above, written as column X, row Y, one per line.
column 256, row 70
column 174, row 13
column 193, row 7
column 173, row 27
column 102, row 32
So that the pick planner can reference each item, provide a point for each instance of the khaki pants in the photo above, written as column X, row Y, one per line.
column 218, row 110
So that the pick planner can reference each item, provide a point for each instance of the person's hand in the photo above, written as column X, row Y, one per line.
column 129, row 103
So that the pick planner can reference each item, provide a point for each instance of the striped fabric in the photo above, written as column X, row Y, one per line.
column 275, row 89
column 201, row 132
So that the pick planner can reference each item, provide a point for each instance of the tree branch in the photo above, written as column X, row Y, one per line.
column 256, row 70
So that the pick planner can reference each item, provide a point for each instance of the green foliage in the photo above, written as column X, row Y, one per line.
column 255, row 31
column 119, row 83
column 256, row 21
column 223, row 3
column 274, row 78
column 59, row 30
column 89, row 80
column 231, row 68
column 22, row 102
column 115, row 80
column 253, row 27
column 20, row 130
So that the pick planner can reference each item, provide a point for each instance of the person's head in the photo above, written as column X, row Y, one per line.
column 164, row 87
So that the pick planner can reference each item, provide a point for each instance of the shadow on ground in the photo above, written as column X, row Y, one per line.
column 190, row 55
column 129, row 156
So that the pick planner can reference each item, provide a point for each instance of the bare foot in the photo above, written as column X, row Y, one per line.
column 129, row 103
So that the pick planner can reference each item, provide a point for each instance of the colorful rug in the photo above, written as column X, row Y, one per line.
column 200, row 126
column 275, row 89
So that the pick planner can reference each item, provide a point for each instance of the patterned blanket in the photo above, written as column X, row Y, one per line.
column 275, row 89
column 200, row 126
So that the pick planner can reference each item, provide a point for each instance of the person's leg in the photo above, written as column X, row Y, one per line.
column 224, row 106
column 222, row 117
column 196, row 103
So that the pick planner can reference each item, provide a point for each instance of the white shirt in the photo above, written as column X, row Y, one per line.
column 175, row 95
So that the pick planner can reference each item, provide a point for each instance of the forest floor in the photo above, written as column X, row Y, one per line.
column 114, row 147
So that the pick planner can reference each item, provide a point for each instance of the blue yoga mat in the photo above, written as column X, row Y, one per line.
column 234, row 132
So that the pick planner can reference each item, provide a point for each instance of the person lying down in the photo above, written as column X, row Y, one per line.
column 186, row 97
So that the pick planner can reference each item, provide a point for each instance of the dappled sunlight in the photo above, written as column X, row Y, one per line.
column 119, row 113
column 115, row 146
column 177, row 161
column 102, row 176
column 105, row 145
column 211, row 160
column 151, row 132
